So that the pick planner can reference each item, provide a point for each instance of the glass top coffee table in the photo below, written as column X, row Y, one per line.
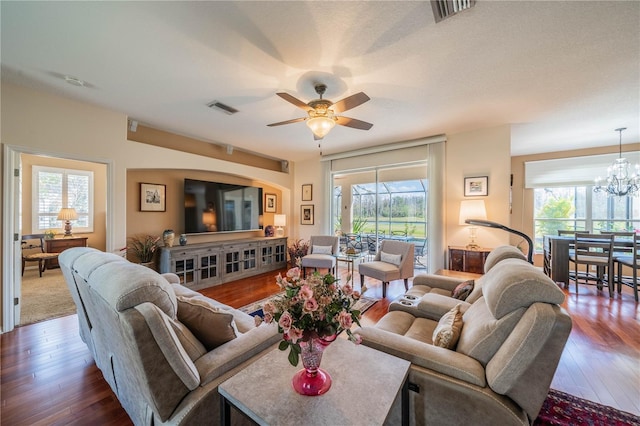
column 264, row 393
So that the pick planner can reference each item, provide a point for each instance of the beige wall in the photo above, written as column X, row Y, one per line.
column 38, row 122
column 154, row 223
column 523, row 198
column 309, row 172
column 97, row 238
column 483, row 152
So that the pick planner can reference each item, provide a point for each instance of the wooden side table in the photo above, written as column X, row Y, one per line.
column 58, row 245
column 468, row 260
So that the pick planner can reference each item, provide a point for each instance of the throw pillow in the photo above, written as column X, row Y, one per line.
column 462, row 290
column 447, row 332
column 211, row 325
column 322, row 250
column 391, row 258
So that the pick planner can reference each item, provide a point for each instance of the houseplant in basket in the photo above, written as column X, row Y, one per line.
column 144, row 247
column 310, row 314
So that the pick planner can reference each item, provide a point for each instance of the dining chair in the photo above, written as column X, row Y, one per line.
column 622, row 246
column 33, row 251
column 631, row 261
column 593, row 250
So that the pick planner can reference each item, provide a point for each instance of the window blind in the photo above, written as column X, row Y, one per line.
column 572, row 171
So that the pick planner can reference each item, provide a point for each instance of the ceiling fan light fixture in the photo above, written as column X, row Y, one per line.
column 320, row 126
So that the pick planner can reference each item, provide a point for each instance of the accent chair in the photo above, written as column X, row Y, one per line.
column 394, row 261
column 322, row 253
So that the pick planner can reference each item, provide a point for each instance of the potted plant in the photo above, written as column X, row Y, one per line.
column 144, row 247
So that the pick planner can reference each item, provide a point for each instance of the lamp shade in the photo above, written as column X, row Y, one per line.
column 280, row 220
column 320, row 126
column 67, row 214
column 208, row 217
column 472, row 209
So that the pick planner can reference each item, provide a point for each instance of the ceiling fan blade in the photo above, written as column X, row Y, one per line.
column 297, row 102
column 352, row 122
column 350, row 102
column 295, row 120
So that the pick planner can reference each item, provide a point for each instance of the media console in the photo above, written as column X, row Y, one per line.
column 206, row 264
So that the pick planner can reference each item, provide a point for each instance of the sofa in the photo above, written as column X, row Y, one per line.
column 162, row 347
column 432, row 294
column 486, row 360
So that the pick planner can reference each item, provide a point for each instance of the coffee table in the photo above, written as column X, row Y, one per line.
column 365, row 384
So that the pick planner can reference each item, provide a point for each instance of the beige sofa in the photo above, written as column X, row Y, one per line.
column 499, row 371
column 162, row 348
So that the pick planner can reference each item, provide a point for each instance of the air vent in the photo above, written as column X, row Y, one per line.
column 443, row 9
column 222, row 107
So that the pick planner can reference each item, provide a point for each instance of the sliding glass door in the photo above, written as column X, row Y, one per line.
column 379, row 203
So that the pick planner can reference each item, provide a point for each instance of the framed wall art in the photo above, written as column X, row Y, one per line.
column 307, row 192
column 306, row 214
column 270, row 203
column 153, row 197
column 476, row 186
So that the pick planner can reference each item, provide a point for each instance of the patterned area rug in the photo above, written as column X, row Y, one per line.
column 567, row 410
column 255, row 308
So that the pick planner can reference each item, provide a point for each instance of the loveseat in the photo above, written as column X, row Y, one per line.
column 485, row 361
column 162, row 348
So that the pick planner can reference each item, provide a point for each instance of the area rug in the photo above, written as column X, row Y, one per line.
column 255, row 308
column 562, row 409
column 44, row 297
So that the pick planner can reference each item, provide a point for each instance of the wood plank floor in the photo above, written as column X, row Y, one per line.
column 48, row 376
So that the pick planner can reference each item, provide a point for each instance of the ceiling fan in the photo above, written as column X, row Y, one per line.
column 322, row 112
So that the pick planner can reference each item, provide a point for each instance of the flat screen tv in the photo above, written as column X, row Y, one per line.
column 220, row 207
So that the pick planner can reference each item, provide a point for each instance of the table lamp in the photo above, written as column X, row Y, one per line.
column 472, row 209
column 67, row 214
column 280, row 220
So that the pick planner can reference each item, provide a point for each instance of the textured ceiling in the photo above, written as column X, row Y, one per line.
column 565, row 74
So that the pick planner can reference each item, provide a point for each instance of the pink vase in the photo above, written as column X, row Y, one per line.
column 312, row 380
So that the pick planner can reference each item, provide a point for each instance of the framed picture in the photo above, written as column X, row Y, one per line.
column 153, row 197
column 476, row 186
column 307, row 192
column 306, row 214
column 270, row 203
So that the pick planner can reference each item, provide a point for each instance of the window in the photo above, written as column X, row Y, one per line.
column 55, row 188
column 579, row 208
column 564, row 197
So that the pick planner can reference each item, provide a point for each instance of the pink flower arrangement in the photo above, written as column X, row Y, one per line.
column 315, row 307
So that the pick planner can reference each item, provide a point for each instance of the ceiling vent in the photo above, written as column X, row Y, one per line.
column 443, row 9
column 222, row 107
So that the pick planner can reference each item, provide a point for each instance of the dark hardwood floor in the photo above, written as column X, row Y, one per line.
column 48, row 376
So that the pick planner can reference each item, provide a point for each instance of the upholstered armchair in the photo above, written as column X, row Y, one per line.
column 394, row 261
column 322, row 253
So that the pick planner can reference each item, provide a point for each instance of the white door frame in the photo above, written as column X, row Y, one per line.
column 11, row 272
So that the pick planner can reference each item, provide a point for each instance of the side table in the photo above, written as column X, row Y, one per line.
column 468, row 260
column 351, row 260
column 58, row 245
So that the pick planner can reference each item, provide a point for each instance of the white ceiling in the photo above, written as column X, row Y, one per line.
column 565, row 74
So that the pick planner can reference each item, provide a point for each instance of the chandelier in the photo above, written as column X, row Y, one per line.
column 620, row 182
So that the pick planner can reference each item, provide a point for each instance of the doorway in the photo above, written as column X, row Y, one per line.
column 19, row 202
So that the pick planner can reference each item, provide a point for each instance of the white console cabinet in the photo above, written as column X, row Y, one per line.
column 206, row 264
